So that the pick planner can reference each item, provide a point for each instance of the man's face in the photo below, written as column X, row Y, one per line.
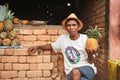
column 72, row 27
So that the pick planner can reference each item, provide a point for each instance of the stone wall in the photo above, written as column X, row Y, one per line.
column 17, row 64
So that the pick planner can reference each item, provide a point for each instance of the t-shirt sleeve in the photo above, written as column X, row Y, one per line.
column 56, row 45
column 84, row 39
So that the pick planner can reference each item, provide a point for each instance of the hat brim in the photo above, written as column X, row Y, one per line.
column 80, row 23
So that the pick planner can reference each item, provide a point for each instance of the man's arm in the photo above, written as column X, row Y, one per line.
column 33, row 49
column 48, row 46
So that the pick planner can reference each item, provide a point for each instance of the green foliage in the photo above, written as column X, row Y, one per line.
column 9, row 15
column 93, row 32
column 5, row 12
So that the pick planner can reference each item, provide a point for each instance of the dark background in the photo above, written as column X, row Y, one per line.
column 53, row 11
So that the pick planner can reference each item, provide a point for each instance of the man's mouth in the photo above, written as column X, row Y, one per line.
column 71, row 31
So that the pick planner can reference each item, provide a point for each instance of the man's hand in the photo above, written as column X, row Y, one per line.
column 91, row 54
column 32, row 50
column 90, row 50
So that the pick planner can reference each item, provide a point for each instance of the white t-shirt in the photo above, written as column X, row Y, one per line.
column 73, row 51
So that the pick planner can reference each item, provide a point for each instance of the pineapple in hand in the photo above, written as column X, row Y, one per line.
column 92, row 41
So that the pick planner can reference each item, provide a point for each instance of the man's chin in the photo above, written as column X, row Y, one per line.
column 71, row 32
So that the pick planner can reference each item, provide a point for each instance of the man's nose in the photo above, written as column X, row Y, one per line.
column 71, row 26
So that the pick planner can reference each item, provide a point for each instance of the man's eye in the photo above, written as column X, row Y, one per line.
column 73, row 24
column 68, row 25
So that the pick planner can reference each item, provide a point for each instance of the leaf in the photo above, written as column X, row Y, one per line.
column 93, row 32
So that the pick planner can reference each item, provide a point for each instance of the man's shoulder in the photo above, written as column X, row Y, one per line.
column 83, row 35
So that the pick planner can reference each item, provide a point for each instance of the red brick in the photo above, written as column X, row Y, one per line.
column 54, row 58
column 1, row 66
column 102, row 19
column 61, row 31
column 46, row 52
column 43, row 37
column 102, row 8
column 54, row 53
column 19, row 79
column 0, row 59
column 41, row 79
column 46, row 58
column 52, row 31
column 61, row 69
column 33, row 66
column 45, row 66
column 9, row 51
column 39, row 31
column 102, row 13
column 60, row 63
column 26, row 31
column 22, row 74
column 55, row 63
column 102, row 3
column 49, row 42
column 54, row 73
column 20, row 37
column 21, row 51
column 8, row 66
column 26, row 43
column 34, row 59
column 55, row 70
column 2, row 51
column 58, row 78
column 18, row 66
column 54, row 38
column 46, row 73
column 64, row 76
column 8, row 74
column 30, row 38
column 22, row 59
column 34, row 73
column 9, row 59
column 60, row 56
column 40, row 42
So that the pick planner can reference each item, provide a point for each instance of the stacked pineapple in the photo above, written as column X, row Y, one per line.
column 8, row 35
column 93, row 34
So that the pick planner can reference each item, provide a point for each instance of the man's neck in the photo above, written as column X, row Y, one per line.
column 75, row 36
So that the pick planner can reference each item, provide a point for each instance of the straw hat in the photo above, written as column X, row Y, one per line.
column 72, row 15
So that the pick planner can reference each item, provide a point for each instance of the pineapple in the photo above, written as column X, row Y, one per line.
column 15, row 42
column 12, row 34
column 6, row 42
column 0, row 41
column 8, row 24
column 93, row 35
column 1, row 25
column 3, row 34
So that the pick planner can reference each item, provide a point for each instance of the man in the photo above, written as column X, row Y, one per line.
column 72, row 46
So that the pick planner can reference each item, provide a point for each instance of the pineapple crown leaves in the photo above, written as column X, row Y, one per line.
column 93, row 32
column 9, row 15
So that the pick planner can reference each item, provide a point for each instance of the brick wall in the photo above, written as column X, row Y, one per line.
column 16, row 64
column 95, row 12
